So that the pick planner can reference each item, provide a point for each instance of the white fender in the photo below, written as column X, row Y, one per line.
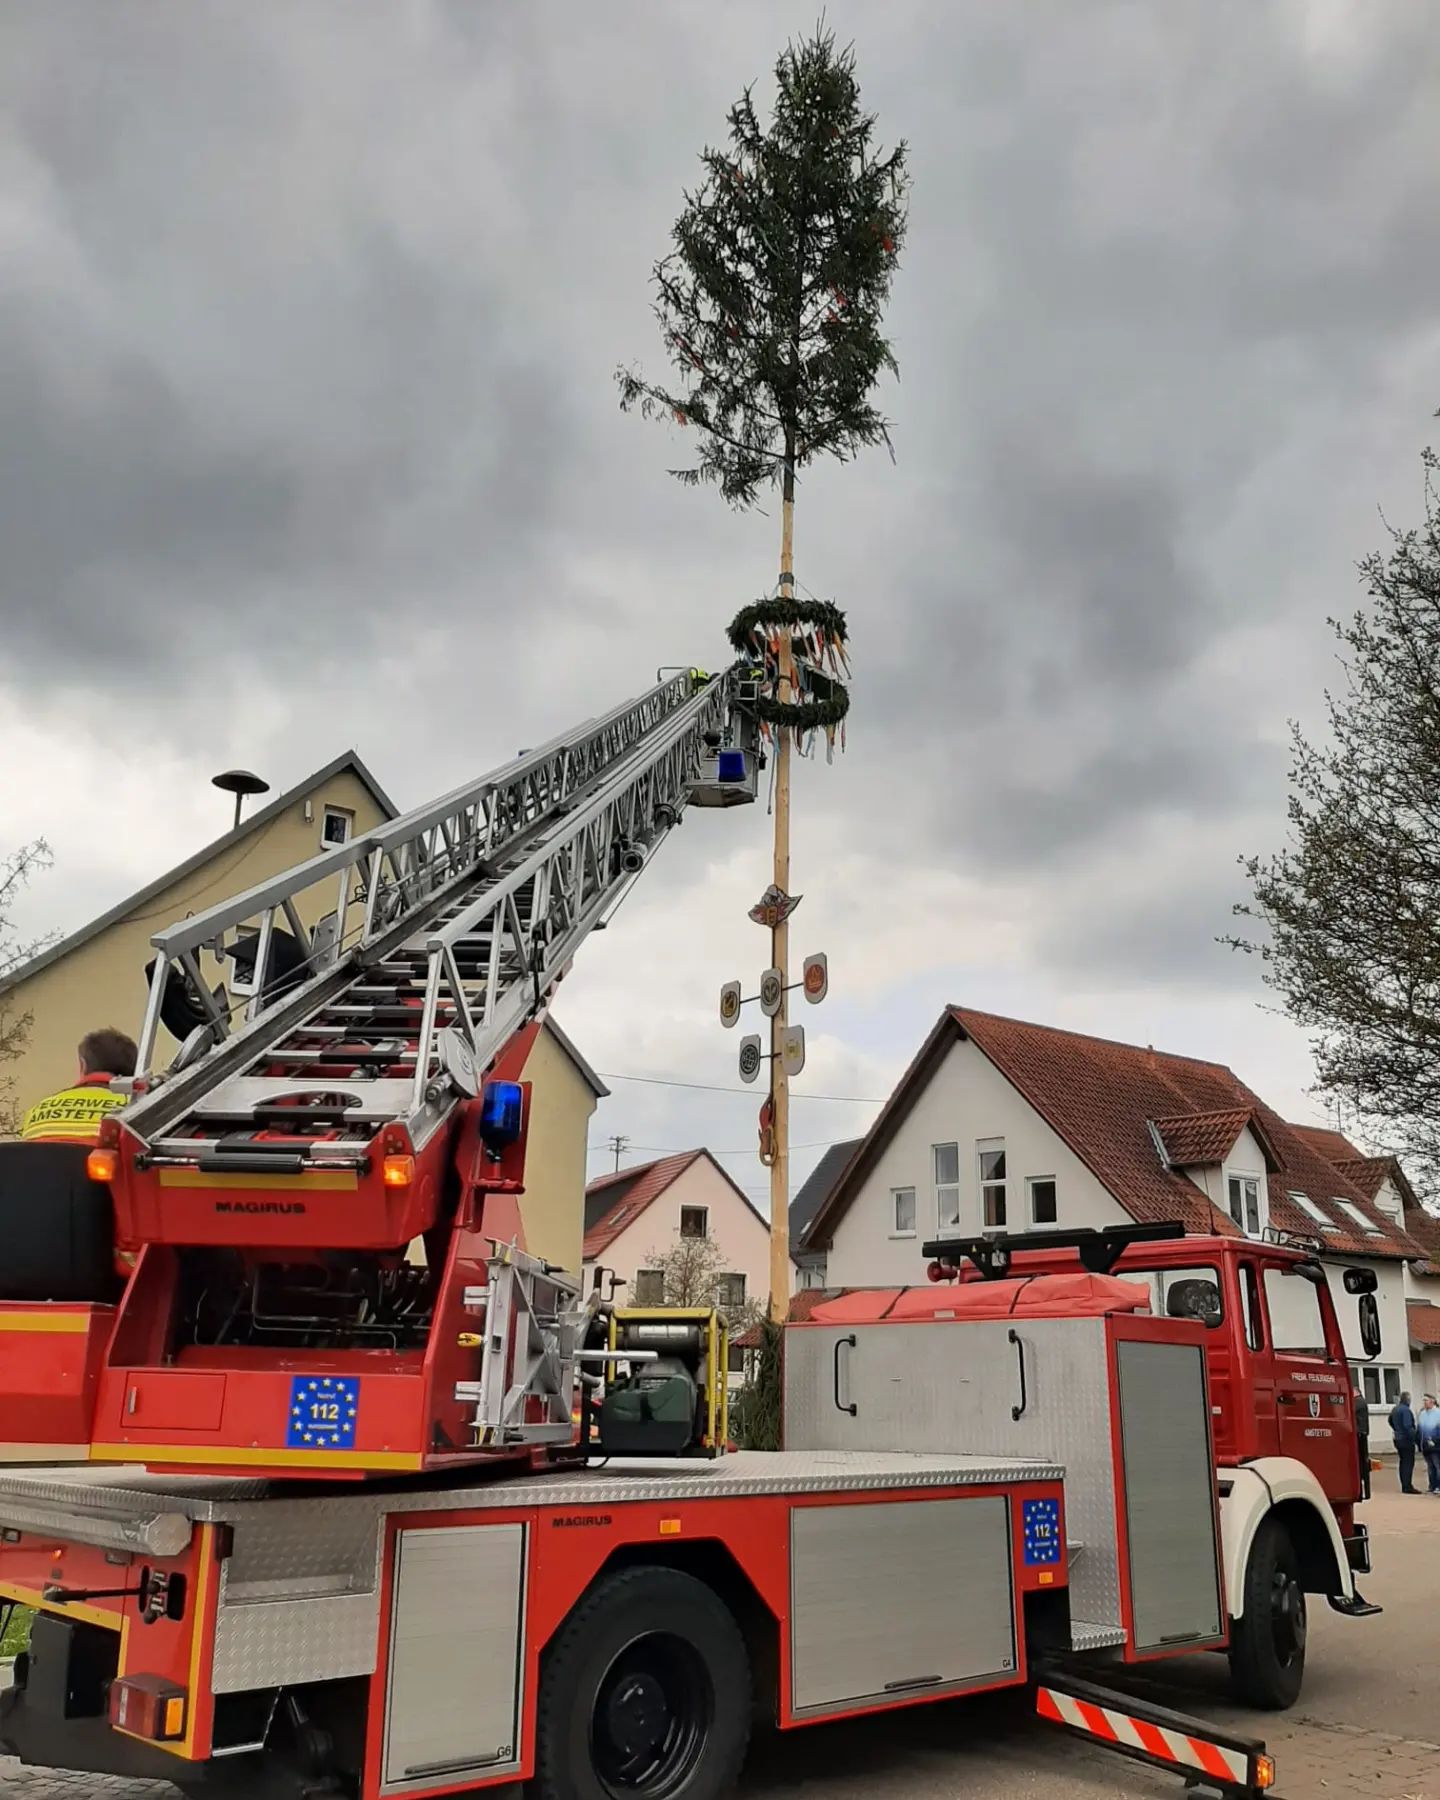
column 1255, row 1489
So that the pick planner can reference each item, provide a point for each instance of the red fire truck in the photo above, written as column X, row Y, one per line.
column 1286, row 1457
column 611, row 1628
column 327, row 1525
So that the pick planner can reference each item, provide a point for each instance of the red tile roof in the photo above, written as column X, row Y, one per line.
column 1368, row 1173
column 634, row 1189
column 1334, row 1146
column 1100, row 1097
column 1424, row 1321
column 1192, row 1139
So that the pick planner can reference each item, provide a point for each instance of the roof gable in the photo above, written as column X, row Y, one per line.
column 818, row 1185
column 1101, row 1097
column 614, row 1202
column 347, row 762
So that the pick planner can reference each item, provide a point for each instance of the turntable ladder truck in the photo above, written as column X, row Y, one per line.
column 328, row 1528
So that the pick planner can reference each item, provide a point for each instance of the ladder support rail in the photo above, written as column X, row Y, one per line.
column 400, row 871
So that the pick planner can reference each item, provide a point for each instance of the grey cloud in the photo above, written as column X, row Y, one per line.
column 311, row 334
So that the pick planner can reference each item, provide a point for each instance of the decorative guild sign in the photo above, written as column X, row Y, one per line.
column 774, row 906
column 816, row 979
column 772, row 992
column 750, row 1058
column 730, row 1004
column 792, row 1049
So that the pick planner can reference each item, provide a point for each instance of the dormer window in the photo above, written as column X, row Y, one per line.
column 1243, row 1192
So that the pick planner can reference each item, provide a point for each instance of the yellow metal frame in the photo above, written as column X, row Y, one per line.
column 716, row 1340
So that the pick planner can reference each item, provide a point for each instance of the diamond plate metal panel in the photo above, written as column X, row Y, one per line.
column 272, row 1642
column 952, row 1387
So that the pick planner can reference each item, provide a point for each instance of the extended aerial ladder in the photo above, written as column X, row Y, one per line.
column 321, row 1190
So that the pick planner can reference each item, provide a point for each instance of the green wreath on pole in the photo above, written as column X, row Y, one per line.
column 823, row 699
column 786, row 613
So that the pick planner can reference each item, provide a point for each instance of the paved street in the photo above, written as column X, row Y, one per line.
column 1369, row 1723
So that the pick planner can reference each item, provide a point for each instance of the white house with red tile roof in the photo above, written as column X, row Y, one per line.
column 1000, row 1124
column 1382, row 1178
column 632, row 1218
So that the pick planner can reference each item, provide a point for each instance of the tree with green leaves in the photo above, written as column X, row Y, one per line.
column 771, row 307
column 15, row 1021
column 1349, row 910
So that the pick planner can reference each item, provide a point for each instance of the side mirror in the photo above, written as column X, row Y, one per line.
column 1369, row 1323
column 1361, row 1281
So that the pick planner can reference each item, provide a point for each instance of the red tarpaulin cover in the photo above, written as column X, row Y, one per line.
column 1022, row 1296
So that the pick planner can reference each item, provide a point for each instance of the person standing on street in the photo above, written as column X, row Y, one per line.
column 1362, row 1438
column 1429, row 1424
column 1403, row 1431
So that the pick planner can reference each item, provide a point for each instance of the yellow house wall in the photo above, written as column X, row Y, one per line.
column 561, row 1104
column 102, row 982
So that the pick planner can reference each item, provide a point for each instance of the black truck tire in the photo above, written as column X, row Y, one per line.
column 1267, row 1642
column 644, row 1694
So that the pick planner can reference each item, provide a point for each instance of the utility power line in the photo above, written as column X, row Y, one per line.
column 706, row 1087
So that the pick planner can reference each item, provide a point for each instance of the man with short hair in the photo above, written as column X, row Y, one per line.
column 1402, row 1430
column 73, row 1115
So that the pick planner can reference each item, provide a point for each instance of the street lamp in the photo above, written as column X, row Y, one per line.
column 240, row 782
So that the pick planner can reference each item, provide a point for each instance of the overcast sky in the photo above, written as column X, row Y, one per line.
column 307, row 329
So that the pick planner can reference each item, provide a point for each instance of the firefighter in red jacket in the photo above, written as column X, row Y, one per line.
column 73, row 1115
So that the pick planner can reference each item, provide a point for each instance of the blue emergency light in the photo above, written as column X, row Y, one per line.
column 502, row 1109
column 730, row 765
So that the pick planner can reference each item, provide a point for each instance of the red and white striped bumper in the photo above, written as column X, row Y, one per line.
column 1176, row 1743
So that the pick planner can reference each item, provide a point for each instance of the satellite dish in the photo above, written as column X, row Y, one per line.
column 240, row 782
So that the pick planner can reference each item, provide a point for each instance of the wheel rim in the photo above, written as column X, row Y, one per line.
column 1287, row 1618
column 651, row 1719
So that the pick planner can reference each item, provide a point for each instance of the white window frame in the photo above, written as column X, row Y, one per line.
column 895, row 1230
column 242, row 986
column 703, row 1232
column 946, row 1219
column 720, row 1286
column 1031, row 1183
column 346, row 817
column 1362, row 1224
column 1382, row 1373
column 989, row 1147
column 1262, row 1205
column 1311, row 1209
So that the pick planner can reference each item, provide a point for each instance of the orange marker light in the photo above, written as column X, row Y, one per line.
column 669, row 1528
column 102, row 1165
column 1264, row 1771
column 398, row 1171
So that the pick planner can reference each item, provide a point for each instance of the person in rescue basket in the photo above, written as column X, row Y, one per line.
column 1403, row 1431
column 73, row 1115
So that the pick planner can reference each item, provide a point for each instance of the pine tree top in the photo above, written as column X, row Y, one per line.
column 771, row 302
